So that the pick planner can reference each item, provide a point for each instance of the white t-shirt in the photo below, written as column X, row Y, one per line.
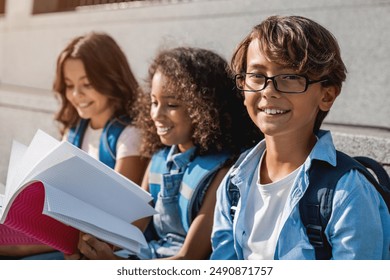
column 264, row 215
column 128, row 143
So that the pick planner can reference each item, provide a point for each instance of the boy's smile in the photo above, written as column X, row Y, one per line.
column 270, row 114
column 274, row 112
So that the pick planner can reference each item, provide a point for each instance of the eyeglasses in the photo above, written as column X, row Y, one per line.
column 287, row 83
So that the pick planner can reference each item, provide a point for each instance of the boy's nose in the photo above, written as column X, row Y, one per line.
column 269, row 90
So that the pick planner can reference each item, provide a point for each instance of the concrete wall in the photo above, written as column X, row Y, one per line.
column 22, row 112
column 29, row 46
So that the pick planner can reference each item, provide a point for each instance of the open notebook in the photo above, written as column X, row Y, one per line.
column 54, row 190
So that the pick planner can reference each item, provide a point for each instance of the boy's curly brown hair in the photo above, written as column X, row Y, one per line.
column 202, row 80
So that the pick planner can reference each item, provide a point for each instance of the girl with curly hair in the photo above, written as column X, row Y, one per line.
column 194, row 126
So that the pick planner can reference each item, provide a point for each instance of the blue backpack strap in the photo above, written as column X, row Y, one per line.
column 76, row 133
column 316, row 205
column 197, row 178
column 109, row 139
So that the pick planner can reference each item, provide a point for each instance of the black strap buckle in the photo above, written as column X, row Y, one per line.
column 316, row 235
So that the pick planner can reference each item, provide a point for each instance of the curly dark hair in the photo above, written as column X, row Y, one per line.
column 202, row 80
column 107, row 70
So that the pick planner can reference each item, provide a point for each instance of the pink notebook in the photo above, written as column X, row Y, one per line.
column 54, row 190
column 10, row 236
column 25, row 223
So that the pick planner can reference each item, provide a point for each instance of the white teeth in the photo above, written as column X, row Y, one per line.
column 273, row 111
column 163, row 130
column 83, row 105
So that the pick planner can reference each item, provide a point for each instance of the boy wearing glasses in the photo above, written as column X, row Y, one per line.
column 290, row 72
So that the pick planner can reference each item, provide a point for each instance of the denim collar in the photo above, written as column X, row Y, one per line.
column 323, row 150
column 177, row 160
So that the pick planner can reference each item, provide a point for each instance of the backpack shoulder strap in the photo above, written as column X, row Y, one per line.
column 316, row 205
column 196, row 180
column 76, row 133
column 381, row 174
column 109, row 139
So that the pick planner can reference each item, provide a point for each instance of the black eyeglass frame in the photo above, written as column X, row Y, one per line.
column 308, row 82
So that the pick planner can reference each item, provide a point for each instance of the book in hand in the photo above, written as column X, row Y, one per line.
column 54, row 190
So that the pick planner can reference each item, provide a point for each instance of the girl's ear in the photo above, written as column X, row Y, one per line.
column 329, row 95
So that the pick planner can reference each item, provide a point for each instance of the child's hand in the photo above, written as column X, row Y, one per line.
column 94, row 249
column 75, row 256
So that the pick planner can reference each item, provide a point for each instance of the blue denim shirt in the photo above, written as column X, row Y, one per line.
column 359, row 227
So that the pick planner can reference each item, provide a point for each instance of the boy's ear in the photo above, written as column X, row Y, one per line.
column 243, row 97
column 329, row 95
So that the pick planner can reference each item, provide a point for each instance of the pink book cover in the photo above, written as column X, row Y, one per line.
column 9, row 236
column 25, row 223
